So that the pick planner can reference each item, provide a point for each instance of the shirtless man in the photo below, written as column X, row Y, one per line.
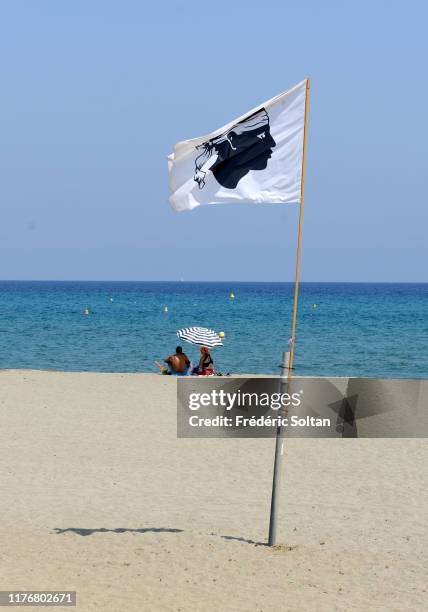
column 179, row 362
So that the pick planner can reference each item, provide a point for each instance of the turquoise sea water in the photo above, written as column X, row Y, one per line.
column 377, row 330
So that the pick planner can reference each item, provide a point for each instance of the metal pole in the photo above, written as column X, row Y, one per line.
column 279, row 451
column 279, row 442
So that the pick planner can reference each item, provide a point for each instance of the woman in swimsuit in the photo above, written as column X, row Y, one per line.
column 206, row 364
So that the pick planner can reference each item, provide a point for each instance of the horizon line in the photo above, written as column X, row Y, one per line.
column 291, row 282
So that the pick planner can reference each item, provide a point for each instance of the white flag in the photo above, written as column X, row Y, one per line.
column 255, row 158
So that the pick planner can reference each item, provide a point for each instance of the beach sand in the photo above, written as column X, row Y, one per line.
column 99, row 496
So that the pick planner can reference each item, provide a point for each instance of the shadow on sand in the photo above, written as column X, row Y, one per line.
column 86, row 532
column 225, row 537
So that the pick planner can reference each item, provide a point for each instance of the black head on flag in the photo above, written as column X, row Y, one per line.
column 246, row 146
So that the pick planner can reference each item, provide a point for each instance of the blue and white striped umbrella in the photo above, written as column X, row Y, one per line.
column 200, row 335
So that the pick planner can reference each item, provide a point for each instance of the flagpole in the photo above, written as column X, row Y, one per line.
column 279, row 443
column 299, row 237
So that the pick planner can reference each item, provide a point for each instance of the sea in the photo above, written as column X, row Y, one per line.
column 343, row 329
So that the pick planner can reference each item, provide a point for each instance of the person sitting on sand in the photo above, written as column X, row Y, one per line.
column 178, row 363
column 206, row 363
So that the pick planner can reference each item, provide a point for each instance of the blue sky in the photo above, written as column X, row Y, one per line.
column 94, row 94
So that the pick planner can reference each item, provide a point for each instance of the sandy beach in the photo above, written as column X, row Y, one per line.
column 99, row 496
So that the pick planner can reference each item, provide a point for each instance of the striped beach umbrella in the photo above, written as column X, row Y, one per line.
column 200, row 335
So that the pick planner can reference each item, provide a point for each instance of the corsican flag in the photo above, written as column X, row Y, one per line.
column 255, row 158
